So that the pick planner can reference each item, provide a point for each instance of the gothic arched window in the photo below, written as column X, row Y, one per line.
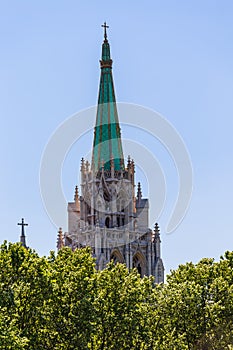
column 116, row 257
column 139, row 264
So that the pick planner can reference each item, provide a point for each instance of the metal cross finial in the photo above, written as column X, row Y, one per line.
column 105, row 30
column 22, row 224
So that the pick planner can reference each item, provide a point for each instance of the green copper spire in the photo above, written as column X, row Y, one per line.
column 107, row 144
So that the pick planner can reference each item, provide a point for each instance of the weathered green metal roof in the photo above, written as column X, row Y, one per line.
column 107, row 136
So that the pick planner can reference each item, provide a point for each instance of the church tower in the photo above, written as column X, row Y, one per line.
column 108, row 215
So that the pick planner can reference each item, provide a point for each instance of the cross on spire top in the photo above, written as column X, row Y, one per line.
column 22, row 237
column 22, row 223
column 105, row 30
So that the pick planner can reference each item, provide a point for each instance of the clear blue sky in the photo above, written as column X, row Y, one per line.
column 172, row 56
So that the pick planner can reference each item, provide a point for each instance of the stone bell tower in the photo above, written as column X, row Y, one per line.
column 108, row 215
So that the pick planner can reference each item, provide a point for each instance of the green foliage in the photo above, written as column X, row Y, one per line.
column 199, row 303
column 63, row 303
column 120, row 309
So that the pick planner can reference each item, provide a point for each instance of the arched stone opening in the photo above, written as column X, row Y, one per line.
column 139, row 263
column 117, row 257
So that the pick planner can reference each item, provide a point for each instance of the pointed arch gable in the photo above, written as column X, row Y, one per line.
column 139, row 262
column 116, row 256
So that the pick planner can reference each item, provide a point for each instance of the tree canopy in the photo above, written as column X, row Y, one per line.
column 61, row 302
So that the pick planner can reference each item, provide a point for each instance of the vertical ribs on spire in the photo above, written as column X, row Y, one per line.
column 107, row 136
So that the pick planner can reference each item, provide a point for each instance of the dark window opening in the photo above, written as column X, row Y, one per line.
column 107, row 222
column 139, row 270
